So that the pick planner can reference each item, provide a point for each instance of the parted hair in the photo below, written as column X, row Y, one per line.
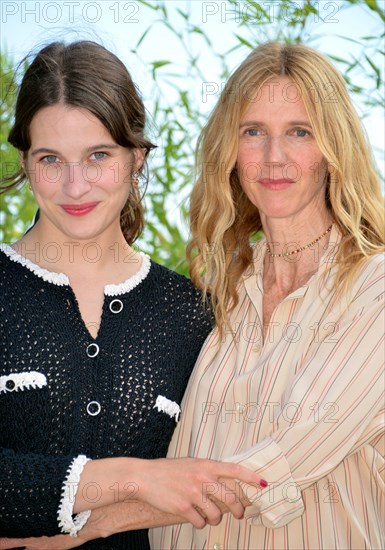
column 222, row 218
column 85, row 75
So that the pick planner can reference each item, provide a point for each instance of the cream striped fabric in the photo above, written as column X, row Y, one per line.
column 305, row 409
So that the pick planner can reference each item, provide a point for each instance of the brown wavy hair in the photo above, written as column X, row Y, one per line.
column 86, row 75
column 223, row 219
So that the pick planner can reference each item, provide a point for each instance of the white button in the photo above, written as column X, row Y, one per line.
column 116, row 306
column 217, row 546
column 92, row 350
column 93, row 408
column 257, row 348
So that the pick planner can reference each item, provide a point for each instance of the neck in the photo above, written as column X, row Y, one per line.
column 62, row 254
column 294, row 250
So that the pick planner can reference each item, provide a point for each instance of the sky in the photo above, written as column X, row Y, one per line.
column 120, row 24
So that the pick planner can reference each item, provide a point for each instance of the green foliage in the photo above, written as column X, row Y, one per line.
column 178, row 112
column 17, row 207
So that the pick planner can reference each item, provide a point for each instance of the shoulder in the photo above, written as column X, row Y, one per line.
column 377, row 262
column 373, row 272
column 178, row 292
column 11, row 262
column 7, row 262
column 369, row 286
column 172, row 280
column 5, row 252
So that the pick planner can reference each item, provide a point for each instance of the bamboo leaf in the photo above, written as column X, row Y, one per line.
column 157, row 64
column 373, row 5
column 142, row 37
column 244, row 41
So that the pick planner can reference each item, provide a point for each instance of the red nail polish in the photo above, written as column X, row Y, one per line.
column 263, row 483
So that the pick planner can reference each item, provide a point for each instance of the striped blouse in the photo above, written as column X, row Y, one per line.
column 304, row 408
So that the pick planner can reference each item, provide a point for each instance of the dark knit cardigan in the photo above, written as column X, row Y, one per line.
column 99, row 401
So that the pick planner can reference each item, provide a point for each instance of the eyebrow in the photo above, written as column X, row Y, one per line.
column 290, row 123
column 96, row 147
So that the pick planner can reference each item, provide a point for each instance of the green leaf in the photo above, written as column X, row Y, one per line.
column 376, row 70
column 183, row 14
column 157, row 64
column 372, row 4
column 142, row 37
column 148, row 5
column 244, row 41
column 339, row 59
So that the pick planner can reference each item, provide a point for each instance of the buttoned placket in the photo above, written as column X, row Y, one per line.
column 94, row 407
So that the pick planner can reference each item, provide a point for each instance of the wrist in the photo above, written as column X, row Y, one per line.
column 125, row 485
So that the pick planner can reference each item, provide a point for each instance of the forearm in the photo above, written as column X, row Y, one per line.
column 126, row 516
column 108, row 480
column 103, row 522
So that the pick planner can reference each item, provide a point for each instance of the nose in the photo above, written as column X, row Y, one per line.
column 275, row 156
column 75, row 180
column 275, row 150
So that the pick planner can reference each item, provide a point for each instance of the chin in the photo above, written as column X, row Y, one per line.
column 277, row 213
column 80, row 234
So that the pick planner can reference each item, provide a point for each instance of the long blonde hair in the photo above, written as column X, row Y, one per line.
column 223, row 219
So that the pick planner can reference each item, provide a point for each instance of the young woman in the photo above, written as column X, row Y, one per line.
column 97, row 341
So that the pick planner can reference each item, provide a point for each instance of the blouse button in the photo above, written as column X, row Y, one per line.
column 217, row 546
column 116, row 306
column 10, row 385
column 92, row 350
column 93, row 408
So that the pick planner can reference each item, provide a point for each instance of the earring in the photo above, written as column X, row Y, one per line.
column 135, row 178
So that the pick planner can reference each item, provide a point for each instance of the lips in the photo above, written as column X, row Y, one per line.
column 79, row 209
column 276, row 184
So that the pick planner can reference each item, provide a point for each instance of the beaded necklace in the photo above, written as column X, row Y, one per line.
column 285, row 254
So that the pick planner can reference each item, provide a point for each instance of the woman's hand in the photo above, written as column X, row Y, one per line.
column 197, row 490
column 190, row 488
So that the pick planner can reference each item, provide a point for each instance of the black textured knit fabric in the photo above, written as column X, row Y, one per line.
column 146, row 350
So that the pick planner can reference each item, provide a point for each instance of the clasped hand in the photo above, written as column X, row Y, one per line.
column 168, row 491
column 198, row 490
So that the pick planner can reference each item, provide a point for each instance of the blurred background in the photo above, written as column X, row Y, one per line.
column 180, row 54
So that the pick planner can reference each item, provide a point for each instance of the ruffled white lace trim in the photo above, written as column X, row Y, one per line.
column 167, row 406
column 67, row 523
column 59, row 279
column 22, row 381
column 132, row 282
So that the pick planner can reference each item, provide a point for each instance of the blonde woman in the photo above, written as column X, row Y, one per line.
column 290, row 383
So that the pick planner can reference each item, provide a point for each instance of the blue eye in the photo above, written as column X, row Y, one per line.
column 98, row 155
column 252, row 132
column 50, row 159
column 300, row 132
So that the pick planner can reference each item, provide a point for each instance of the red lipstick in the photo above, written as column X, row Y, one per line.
column 276, row 184
column 79, row 209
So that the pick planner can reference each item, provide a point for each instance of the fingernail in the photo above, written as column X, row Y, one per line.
column 263, row 483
